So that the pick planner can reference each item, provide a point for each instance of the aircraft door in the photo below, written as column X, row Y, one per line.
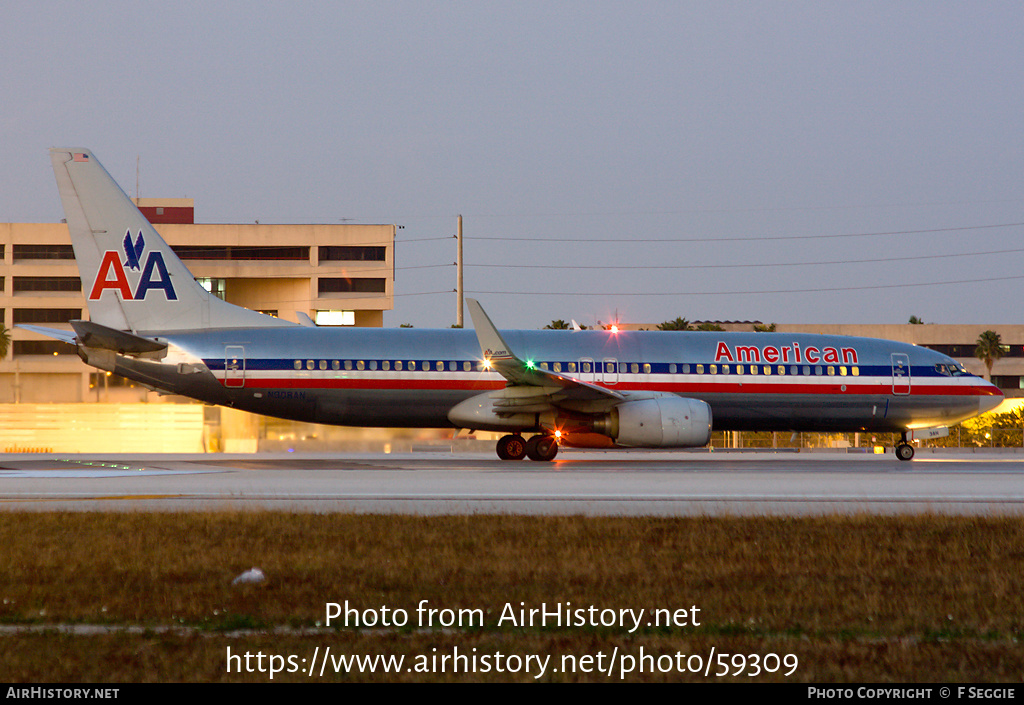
column 587, row 372
column 610, row 371
column 900, row 373
column 234, row 366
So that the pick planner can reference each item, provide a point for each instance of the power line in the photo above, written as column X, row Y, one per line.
column 733, row 266
column 770, row 238
column 745, row 293
column 428, row 293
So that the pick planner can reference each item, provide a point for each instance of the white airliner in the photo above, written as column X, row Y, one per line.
column 151, row 322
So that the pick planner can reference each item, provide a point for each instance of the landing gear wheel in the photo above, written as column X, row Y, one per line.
column 541, row 448
column 904, row 451
column 511, row 447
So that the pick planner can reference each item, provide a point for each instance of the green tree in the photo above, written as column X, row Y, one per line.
column 990, row 349
column 557, row 325
column 915, row 321
column 5, row 341
column 762, row 328
column 678, row 324
column 708, row 325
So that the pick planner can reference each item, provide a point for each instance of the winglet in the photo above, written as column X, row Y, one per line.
column 492, row 345
column 518, row 373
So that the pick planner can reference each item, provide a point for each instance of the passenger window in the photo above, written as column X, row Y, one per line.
column 831, row 371
column 635, row 368
column 806, row 369
column 713, row 369
column 467, row 366
column 558, row 367
column 309, row 364
column 725, row 369
column 817, row 370
column 647, row 368
column 700, row 369
column 739, row 369
column 686, row 369
column 412, row 365
column 323, row 364
column 842, row 371
column 386, row 365
column 572, row 366
column 348, row 364
column 671, row 368
column 767, row 370
column 398, row 365
column 373, row 364
column 753, row 369
column 298, row 364
column 360, row 365
column 782, row 369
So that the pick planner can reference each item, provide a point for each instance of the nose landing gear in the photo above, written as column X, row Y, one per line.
column 904, row 451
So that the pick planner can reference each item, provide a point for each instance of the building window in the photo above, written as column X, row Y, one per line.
column 335, row 318
column 43, row 347
column 43, row 252
column 338, row 285
column 217, row 287
column 1008, row 381
column 46, row 315
column 351, row 254
column 46, row 284
column 222, row 252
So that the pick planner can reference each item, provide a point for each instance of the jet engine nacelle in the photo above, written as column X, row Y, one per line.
column 662, row 422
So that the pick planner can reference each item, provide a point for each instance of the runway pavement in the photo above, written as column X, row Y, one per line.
column 578, row 482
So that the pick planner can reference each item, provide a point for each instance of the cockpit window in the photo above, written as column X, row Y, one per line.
column 952, row 369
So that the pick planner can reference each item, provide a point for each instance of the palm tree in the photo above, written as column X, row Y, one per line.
column 557, row 325
column 5, row 341
column 990, row 349
column 678, row 324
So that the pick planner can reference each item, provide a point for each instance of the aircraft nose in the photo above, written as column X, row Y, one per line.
column 990, row 401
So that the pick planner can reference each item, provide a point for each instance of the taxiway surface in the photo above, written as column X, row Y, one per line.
column 578, row 482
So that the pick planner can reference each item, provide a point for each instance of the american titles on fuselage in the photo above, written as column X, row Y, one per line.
column 785, row 353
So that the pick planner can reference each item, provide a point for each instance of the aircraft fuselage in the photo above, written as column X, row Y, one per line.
column 412, row 378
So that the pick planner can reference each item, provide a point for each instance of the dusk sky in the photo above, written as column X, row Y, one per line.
column 800, row 162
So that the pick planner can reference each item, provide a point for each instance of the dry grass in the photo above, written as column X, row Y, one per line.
column 866, row 599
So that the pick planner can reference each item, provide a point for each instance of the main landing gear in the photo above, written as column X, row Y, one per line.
column 904, row 451
column 541, row 448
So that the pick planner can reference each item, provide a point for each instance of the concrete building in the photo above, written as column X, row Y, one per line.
column 336, row 274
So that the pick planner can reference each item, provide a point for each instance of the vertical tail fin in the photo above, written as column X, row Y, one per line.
column 131, row 278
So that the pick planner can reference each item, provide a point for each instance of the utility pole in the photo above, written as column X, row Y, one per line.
column 458, row 275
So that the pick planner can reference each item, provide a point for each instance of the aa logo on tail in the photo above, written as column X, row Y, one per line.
column 111, row 274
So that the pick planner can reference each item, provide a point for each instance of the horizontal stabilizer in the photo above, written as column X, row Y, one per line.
column 94, row 335
column 64, row 336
